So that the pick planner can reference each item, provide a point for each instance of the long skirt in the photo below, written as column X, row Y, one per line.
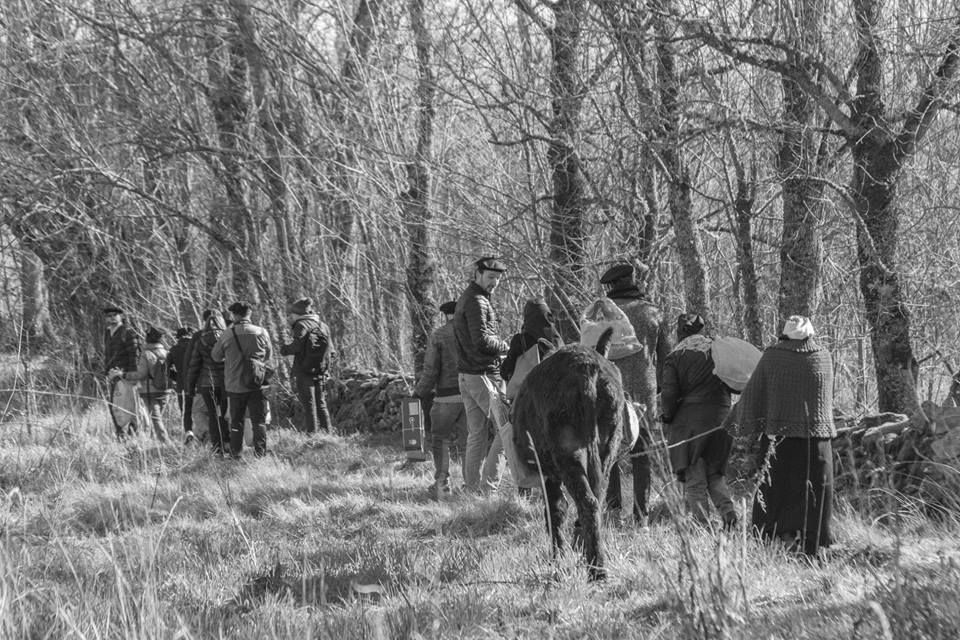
column 796, row 501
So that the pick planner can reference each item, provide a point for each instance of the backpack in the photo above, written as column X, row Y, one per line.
column 604, row 314
column 254, row 373
column 158, row 380
column 316, row 346
column 734, row 361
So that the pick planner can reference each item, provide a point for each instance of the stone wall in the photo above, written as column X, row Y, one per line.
column 365, row 400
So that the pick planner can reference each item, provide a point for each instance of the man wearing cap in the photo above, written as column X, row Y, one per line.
column 153, row 357
column 440, row 383
column 479, row 349
column 641, row 375
column 121, row 350
column 694, row 404
column 241, row 342
column 310, row 350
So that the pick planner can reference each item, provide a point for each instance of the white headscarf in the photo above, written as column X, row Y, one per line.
column 798, row 328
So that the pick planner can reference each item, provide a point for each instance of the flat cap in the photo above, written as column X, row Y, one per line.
column 489, row 263
column 112, row 309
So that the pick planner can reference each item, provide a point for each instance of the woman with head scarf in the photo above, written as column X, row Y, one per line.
column 786, row 420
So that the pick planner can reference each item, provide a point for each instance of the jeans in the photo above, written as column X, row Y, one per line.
column 314, row 402
column 155, row 405
column 477, row 391
column 239, row 404
column 185, row 404
column 215, row 399
column 698, row 485
column 447, row 419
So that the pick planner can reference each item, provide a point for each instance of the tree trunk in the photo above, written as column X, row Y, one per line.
column 569, row 206
column 696, row 285
column 801, row 248
column 421, row 269
column 35, row 299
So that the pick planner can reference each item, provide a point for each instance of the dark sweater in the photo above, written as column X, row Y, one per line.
column 790, row 393
column 688, row 377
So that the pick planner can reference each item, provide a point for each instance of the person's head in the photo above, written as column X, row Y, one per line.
column 797, row 328
column 184, row 333
column 538, row 319
column 154, row 335
column 240, row 310
column 299, row 307
column 213, row 319
column 618, row 276
column 688, row 324
column 113, row 316
column 448, row 308
column 487, row 273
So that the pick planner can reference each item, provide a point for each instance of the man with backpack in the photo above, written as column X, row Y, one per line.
column 245, row 351
column 310, row 349
column 151, row 373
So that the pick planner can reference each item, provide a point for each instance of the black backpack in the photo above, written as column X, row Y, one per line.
column 316, row 346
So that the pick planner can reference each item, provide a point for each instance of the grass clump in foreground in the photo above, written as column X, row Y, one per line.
column 333, row 538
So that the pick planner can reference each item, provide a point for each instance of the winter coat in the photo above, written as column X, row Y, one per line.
column 153, row 353
column 254, row 344
column 439, row 372
column 694, row 405
column 475, row 326
column 301, row 329
column 121, row 349
column 641, row 371
column 790, row 393
column 202, row 370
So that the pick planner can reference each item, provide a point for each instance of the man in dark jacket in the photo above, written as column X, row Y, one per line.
column 121, row 344
column 310, row 349
column 177, row 362
column 205, row 376
column 641, row 374
column 242, row 342
column 439, row 381
column 479, row 348
column 695, row 403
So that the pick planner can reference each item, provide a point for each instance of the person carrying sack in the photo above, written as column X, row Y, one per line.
column 245, row 351
column 151, row 373
column 310, row 349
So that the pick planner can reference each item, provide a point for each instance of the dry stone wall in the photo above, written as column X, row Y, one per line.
column 365, row 400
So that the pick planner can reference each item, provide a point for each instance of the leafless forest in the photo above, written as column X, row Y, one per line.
column 762, row 158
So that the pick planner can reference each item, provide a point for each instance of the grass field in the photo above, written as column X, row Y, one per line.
column 332, row 538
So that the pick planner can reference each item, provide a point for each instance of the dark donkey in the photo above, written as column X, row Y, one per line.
column 572, row 407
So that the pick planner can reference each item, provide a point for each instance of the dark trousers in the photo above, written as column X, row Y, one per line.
column 215, row 400
column 185, row 403
column 239, row 404
column 640, row 460
column 314, row 402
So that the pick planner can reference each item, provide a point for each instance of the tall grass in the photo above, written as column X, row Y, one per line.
column 335, row 538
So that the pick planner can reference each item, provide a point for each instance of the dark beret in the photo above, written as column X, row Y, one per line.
column 617, row 272
column 112, row 309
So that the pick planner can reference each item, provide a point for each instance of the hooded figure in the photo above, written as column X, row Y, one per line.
column 538, row 329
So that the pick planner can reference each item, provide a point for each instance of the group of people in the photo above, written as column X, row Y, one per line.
column 784, row 421
column 227, row 362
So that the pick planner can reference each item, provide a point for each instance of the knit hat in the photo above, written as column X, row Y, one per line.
column 798, row 328
column 300, row 307
column 240, row 308
column 448, row 307
column 688, row 324
column 489, row 263
column 154, row 335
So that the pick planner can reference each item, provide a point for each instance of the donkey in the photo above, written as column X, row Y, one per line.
column 572, row 408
